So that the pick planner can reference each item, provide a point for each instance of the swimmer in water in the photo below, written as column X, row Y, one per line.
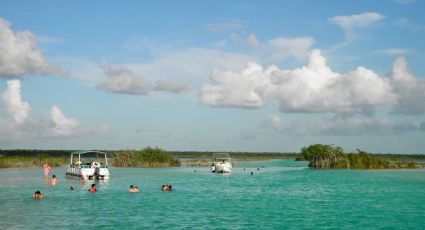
column 166, row 188
column 37, row 195
column 53, row 181
column 93, row 188
column 133, row 189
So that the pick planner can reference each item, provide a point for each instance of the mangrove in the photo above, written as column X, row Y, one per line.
column 328, row 156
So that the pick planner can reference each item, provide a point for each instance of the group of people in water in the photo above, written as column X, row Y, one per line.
column 53, row 181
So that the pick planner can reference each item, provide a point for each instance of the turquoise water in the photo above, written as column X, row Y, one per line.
column 282, row 195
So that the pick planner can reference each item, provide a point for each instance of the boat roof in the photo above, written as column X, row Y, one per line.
column 81, row 152
column 222, row 156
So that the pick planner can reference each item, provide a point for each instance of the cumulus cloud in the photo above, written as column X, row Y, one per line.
column 63, row 126
column 245, row 89
column 123, row 80
column 21, row 125
column 17, row 109
column 349, row 23
column 20, row 56
column 410, row 90
column 316, row 88
column 313, row 88
column 224, row 26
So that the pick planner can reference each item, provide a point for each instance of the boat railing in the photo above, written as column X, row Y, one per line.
column 83, row 166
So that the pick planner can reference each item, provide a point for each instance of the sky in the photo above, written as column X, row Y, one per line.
column 258, row 76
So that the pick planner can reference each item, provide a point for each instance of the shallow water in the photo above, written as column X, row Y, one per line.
column 282, row 195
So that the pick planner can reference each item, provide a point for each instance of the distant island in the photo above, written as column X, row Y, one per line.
column 333, row 157
column 319, row 156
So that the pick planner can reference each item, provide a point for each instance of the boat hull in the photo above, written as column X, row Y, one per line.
column 223, row 167
column 87, row 173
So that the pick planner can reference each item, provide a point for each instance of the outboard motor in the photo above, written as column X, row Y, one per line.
column 97, row 173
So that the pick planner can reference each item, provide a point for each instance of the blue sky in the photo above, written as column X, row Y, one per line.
column 213, row 75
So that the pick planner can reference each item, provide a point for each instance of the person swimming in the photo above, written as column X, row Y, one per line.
column 93, row 188
column 166, row 187
column 37, row 195
column 53, row 180
column 133, row 189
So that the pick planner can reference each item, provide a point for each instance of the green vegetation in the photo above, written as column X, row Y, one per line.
column 327, row 156
column 31, row 161
column 148, row 157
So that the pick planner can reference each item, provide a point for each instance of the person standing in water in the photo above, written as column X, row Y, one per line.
column 53, row 181
column 46, row 170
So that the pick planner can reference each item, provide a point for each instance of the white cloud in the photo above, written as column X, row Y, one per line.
column 393, row 52
column 282, row 48
column 312, row 89
column 224, row 26
column 349, row 23
column 17, row 109
column 246, row 89
column 63, row 126
column 173, row 86
column 20, row 56
column 22, row 126
column 123, row 80
column 410, row 90
column 316, row 88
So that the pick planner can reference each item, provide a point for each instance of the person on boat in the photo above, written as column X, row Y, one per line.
column 133, row 189
column 53, row 181
column 37, row 195
column 46, row 170
column 93, row 188
column 166, row 188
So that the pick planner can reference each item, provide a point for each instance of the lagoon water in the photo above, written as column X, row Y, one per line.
column 282, row 195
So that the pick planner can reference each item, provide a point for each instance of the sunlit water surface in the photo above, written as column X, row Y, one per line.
column 280, row 195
